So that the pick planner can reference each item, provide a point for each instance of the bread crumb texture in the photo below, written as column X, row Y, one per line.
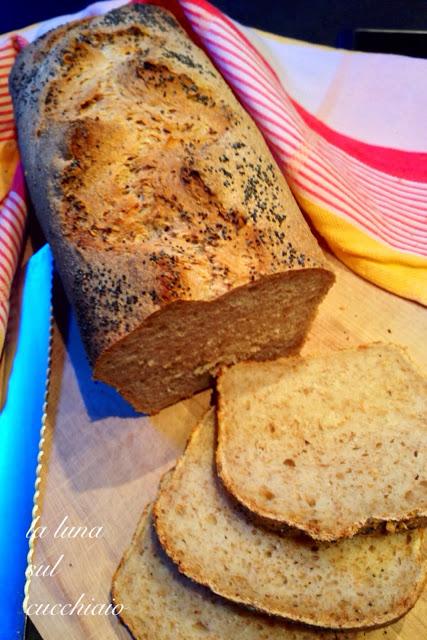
column 358, row 583
column 159, row 602
column 331, row 444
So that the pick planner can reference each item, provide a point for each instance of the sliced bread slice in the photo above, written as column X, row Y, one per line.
column 159, row 602
column 332, row 445
column 366, row 581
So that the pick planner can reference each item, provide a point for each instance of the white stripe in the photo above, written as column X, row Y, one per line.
column 353, row 219
column 363, row 206
column 250, row 63
column 8, row 225
column 19, row 202
column 5, row 266
column 321, row 159
column 12, row 217
column 366, row 169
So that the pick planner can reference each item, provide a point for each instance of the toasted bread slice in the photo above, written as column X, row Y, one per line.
column 161, row 603
column 366, row 581
column 332, row 445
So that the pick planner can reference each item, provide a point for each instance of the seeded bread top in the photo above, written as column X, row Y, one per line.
column 152, row 184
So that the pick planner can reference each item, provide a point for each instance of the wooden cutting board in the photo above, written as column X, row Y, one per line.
column 101, row 463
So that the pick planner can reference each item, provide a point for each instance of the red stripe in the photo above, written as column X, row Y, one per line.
column 257, row 70
column 7, row 259
column 6, row 283
column 3, row 319
column 268, row 87
column 18, row 220
column 349, row 185
column 282, row 128
column 9, row 238
column 282, row 116
column 376, row 230
column 237, row 44
column 255, row 88
column 349, row 190
column 17, row 192
column 385, row 220
column 224, row 19
column 11, row 224
column 219, row 28
column 249, row 98
column 364, row 224
column 411, row 165
column 274, row 122
column 343, row 171
column 381, row 181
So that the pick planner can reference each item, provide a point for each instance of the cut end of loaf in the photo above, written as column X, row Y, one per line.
column 175, row 353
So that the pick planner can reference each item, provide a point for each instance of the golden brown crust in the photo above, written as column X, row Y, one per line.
column 151, row 182
column 160, row 602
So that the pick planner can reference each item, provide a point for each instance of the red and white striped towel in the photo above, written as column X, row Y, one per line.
column 13, row 209
column 347, row 128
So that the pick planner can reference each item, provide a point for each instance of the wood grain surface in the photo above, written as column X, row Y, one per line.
column 102, row 462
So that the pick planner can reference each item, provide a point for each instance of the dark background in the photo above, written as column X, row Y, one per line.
column 347, row 24
column 324, row 21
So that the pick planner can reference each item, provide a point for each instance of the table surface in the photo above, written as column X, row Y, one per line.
column 102, row 463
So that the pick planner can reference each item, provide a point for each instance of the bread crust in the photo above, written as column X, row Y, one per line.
column 182, row 600
column 152, row 184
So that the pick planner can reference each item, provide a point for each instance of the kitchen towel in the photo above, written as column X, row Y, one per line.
column 347, row 128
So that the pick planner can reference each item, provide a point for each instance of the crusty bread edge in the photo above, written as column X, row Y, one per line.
column 155, row 407
column 143, row 522
column 263, row 517
column 192, row 572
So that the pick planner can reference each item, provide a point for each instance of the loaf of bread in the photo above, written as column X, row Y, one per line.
column 177, row 239
column 365, row 581
column 160, row 603
column 332, row 444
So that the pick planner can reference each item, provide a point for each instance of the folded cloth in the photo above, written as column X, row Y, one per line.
column 13, row 209
column 347, row 128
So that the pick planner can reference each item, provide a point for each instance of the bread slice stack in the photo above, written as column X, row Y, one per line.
column 297, row 510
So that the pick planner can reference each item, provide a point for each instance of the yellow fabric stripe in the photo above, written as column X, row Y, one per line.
column 402, row 273
column 9, row 157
